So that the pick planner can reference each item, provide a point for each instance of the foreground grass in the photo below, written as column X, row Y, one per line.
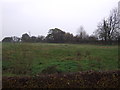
column 29, row 59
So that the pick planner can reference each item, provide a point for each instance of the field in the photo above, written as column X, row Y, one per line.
column 43, row 65
column 29, row 59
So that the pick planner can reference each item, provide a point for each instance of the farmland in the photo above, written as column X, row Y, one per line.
column 31, row 59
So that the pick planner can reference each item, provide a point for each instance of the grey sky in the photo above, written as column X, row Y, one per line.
column 38, row 16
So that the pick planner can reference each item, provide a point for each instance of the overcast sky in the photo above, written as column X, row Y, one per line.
column 38, row 16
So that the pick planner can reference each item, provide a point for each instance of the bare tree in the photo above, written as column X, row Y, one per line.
column 101, row 31
column 113, row 25
column 108, row 29
column 82, row 33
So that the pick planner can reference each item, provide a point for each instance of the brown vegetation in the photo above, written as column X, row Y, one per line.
column 88, row 79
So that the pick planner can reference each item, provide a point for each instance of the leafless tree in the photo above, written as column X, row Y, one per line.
column 108, row 30
column 82, row 33
column 113, row 25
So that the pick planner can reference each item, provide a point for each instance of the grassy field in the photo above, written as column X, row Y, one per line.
column 29, row 59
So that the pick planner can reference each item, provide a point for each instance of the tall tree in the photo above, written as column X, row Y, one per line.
column 82, row 36
column 69, row 38
column 33, row 39
column 108, row 29
column 55, row 35
column 7, row 39
column 25, row 38
column 113, row 25
column 40, row 38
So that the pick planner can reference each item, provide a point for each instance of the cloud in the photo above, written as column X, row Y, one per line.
column 38, row 16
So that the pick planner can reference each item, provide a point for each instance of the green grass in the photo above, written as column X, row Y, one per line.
column 37, row 58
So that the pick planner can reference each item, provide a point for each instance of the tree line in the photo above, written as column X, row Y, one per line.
column 107, row 32
column 54, row 36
